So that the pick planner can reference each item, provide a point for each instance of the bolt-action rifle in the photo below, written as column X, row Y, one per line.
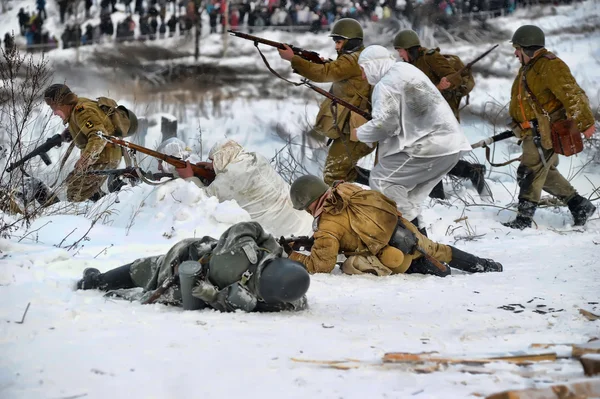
column 490, row 140
column 179, row 163
column 337, row 100
column 297, row 243
column 470, row 64
column 306, row 54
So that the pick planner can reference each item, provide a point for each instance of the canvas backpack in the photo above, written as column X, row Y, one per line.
column 123, row 119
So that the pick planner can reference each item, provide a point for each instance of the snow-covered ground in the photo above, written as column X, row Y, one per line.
column 75, row 344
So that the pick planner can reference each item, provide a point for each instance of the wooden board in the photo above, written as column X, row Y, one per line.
column 580, row 390
column 404, row 357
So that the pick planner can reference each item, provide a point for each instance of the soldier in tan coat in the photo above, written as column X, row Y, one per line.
column 366, row 227
column 347, row 84
column 443, row 75
column 544, row 92
column 85, row 119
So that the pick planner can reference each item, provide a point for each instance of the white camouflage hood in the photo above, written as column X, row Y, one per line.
column 223, row 153
column 376, row 61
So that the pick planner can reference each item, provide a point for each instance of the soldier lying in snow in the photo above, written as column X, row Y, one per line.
column 365, row 225
column 250, row 180
column 242, row 270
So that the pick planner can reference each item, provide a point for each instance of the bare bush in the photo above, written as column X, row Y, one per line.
column 22, row 80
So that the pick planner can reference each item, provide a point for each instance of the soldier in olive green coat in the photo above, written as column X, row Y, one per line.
column 348, row 84
column 544, row 92
column 443, row 75
column 85, row 119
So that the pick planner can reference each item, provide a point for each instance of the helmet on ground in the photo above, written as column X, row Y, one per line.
column 529, row 35
column 305, row 190
column 283, row 280
column 347, row 28
column 406, row 39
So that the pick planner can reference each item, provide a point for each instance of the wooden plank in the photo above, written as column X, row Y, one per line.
column 591, row 364
column 404, row 357
column 582, row 349
column 580, row 390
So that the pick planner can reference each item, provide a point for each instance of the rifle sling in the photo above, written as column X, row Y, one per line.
column 488, row 156
column 272, row 70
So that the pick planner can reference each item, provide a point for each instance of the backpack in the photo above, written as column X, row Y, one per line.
column 468, row 82
column 124, row 120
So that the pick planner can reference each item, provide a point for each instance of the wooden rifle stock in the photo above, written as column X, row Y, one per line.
column 337, row 100
column 171, row 160
column 306, row 54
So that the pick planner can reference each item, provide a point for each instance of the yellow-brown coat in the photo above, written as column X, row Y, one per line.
column 551, row 82
column 348, row 84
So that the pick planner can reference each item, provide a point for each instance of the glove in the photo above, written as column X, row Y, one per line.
column 287, row 247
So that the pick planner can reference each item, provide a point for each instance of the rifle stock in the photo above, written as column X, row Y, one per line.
column 305, row 54
column 54, row 141
column 171, row 160
column 337, row 100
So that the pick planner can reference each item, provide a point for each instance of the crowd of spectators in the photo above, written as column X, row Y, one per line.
column 166, row 18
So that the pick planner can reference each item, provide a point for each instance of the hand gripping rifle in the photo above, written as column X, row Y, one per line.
column 54, row 141
column 179, row 163
column 306, row 54
column 302, row 243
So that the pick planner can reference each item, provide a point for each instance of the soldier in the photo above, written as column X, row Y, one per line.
column 365, row 225
column 419, row 138
column 85, row 119
column 242, row 270
column 543, row 93
column 347, row 84
column 444, row 77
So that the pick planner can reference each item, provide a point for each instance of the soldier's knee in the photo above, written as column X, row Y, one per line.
column 525, row 177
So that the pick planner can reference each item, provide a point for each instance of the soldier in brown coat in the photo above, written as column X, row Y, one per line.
column 347, row 84
column 443, row 75
column 365, row 226
column 85, row 119
column 544, row 92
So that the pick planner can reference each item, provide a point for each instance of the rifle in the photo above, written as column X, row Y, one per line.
column 179, row 163
column 299, row 243
column 305, row 54
column 54, row 141
column 498, row 137
column 470, row 64
column 168, row 283
column 337, row 100
column 129, row 173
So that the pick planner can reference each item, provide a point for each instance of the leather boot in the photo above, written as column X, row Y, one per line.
column 467, row 262
column 90, row 279
column 114, row 279
column 524, row 218
column 472, row 171
column 581, row 208
column 438, row 191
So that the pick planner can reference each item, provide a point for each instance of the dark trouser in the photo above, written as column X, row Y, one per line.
column 115, row 279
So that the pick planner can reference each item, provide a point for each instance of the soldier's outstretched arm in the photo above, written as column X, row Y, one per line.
column 323, row 254
column 344, row 67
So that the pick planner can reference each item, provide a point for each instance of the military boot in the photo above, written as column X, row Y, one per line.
column 467, row 262
column 438, row 191
column 474, row 172
column 90, row 279
column 581, row 208
column 524, row 217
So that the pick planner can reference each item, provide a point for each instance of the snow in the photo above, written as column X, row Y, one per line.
column 81, row 344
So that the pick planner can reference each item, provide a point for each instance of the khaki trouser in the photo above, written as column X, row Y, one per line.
column 534, row 177
column 396, row 261
column 81, row 186
column 342, row 158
